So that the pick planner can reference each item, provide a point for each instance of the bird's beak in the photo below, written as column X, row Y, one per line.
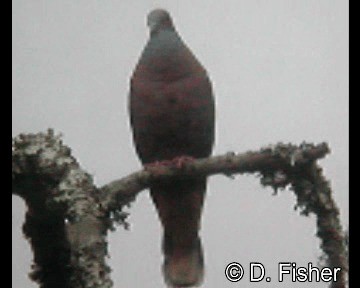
column 151, row 24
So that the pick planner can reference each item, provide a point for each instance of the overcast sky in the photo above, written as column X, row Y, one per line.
column 280, row 73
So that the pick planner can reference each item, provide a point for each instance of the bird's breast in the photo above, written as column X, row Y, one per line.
column 172, row 99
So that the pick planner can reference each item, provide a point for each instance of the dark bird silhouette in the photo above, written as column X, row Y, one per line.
column 172, row 118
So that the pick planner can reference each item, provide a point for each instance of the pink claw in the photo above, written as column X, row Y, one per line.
column 180, row 161
column 157, row 164
column 156, row 167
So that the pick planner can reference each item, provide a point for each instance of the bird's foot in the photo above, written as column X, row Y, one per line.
column 157, row 167
column 158, row 164
column 180, row 161
column 177, row 162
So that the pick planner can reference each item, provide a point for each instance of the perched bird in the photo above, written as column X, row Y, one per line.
column 172, row 117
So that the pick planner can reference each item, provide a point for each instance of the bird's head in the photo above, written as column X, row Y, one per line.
column 159, row 19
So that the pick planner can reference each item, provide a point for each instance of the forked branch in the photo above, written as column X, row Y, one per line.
column 68, row 217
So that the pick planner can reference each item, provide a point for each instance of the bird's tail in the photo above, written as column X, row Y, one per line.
column 184, row 267
column 179, row 206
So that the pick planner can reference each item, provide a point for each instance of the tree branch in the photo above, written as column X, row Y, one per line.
column 64, row 224
column 65, row 205
column 282, row 158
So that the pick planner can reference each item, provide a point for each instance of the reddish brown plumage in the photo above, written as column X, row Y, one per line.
column 172, row 115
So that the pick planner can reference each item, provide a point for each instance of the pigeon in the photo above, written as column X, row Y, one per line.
column 172, row 116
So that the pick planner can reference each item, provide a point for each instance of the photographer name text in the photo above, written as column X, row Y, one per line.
column 234, row 272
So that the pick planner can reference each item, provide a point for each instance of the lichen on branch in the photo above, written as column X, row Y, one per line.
column 62, row 198
column 65, row 227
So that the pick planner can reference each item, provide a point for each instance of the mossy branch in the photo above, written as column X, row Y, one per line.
column 68, row 217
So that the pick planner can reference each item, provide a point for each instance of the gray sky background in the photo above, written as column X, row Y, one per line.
column 280, row 73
